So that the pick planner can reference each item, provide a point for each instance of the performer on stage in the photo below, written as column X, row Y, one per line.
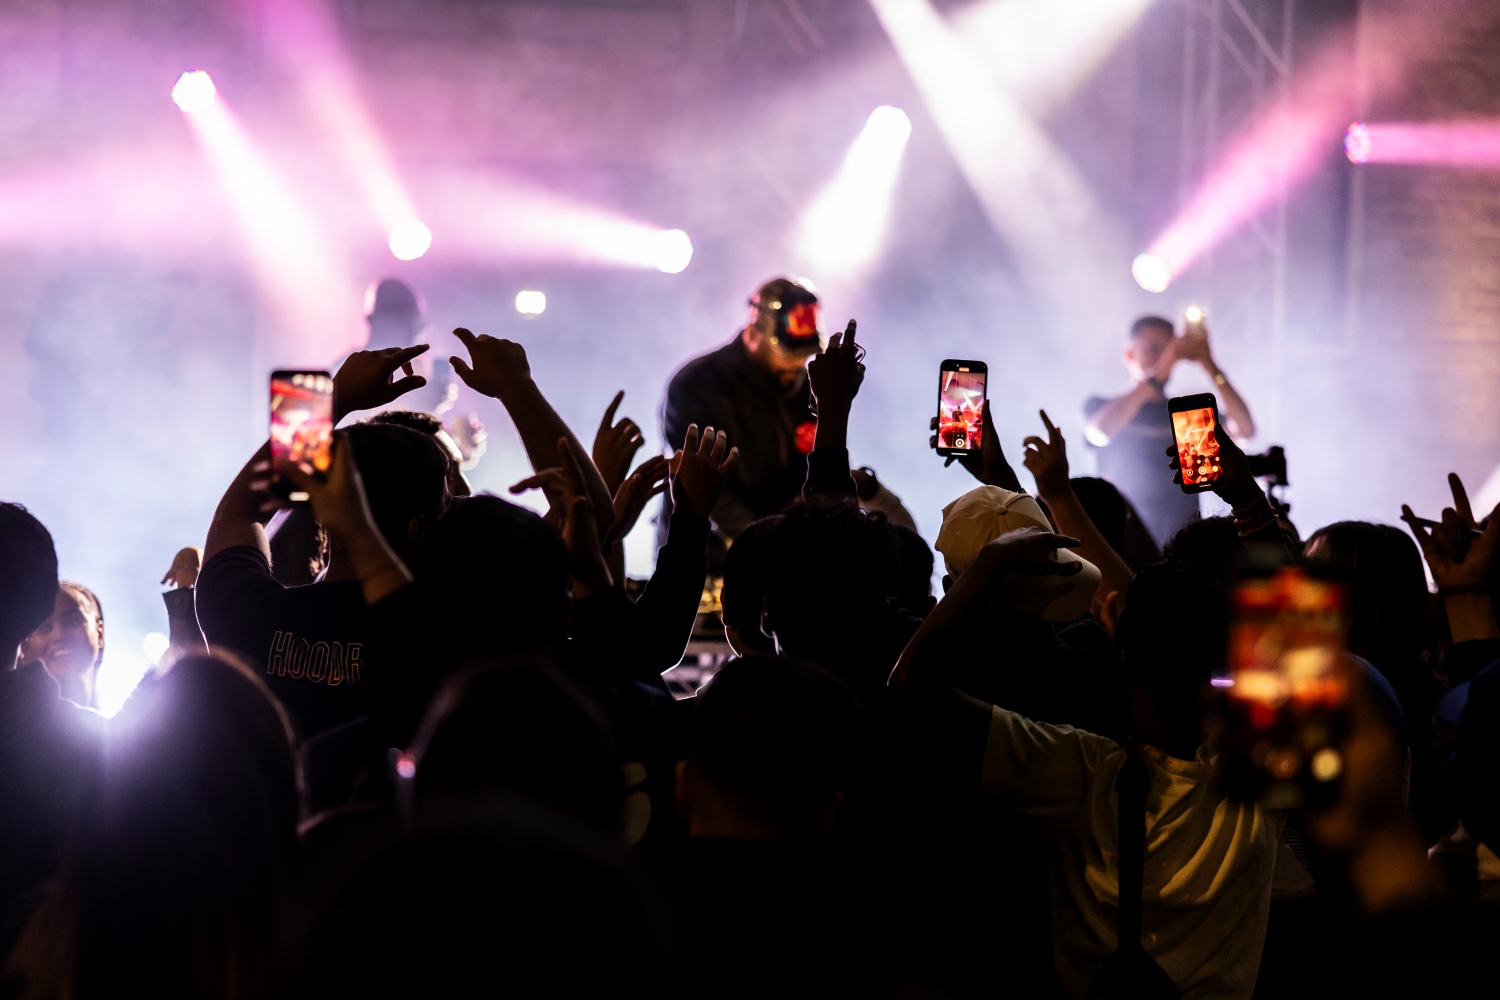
column 755, row 389
column 1131, row 432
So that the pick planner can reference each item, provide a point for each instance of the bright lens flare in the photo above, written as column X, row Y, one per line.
column 532, row 303
column 1357, row 143
column 410, row 240
column 194, row 91
column 671, row 251
column 1150, row 272
column 155, row 646
column 1193, row 314
column 845, row 225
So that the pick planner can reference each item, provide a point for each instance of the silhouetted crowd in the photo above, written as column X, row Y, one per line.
column 408, row 741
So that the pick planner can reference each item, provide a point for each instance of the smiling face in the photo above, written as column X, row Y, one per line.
column 69, row 643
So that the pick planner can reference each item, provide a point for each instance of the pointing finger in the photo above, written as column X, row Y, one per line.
column 609, row 413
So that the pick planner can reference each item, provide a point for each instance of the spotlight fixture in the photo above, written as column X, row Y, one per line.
column 671, row 251
column 410, row 240
column 194, row 91
column 1357, row 143
column 531, row 302
column 1150, row 272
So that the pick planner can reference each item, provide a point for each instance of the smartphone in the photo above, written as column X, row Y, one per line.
column 301, row 423
column 961, row 396
column 1195, row 428
column 1286, row 693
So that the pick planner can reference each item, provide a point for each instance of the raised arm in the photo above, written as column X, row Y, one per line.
column 1048, row 462
column 500, row 369
column 1253, row 514
column 990, row 466
column 1237, row 420
column 834, row 377
column 239, row 519
column 1461, row 563
column 1028, row 551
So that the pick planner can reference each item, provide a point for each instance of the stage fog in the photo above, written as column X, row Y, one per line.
column 159, row 264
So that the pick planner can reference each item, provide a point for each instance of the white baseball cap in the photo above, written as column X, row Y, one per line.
column 984, row 514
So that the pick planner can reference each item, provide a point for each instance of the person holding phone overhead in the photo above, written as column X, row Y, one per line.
column 754, row 388
column 1130, row 431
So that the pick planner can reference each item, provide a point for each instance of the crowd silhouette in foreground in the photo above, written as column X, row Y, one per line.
column 451, row 766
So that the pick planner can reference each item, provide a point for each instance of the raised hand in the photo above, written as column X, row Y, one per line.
column 1048, row 460
column 1235, row 486
column 836, row 375
column 649, row 479
column 700, row 469
column 1028, row 551
column 498, row 365
column 1193, row 346
column 339, row 503
column 1458, row 559
column 338, row 498
column 989, row 466
column 363, row 381
column 184, row 569
column 615, row 445
column 577, row 521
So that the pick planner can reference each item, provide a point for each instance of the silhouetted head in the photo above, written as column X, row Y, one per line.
column 1211, row 546
column 501, row 893
column 743, row 593
column 1389, row 620
column 1172, row 636
column 406, row 482
column 522, row 728
column 828, row 571
column 180, row 852
column 396, row 314
column 28, row 578
column 914, row 585
column 772, row 743
column 502, row 574
column 426, row 423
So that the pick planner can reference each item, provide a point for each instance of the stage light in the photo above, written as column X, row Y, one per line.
column 312, row 297
column 673, row 251
column 1193, row 314
column 1033, row 195
column 303, row 37
column 531, row 302
column 844, row 227
column 1150, row 272
column 491, row 217
column 1357, row 143
column 1040, row 51
column 1474, row 144
column 1286, row 140
column 194, row 91
column 410, row 240
column 155, row 646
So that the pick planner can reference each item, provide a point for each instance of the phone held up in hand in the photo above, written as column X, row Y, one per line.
column 1195, row 429
column 961, row 395
column 301, row 424
column 1286, row 695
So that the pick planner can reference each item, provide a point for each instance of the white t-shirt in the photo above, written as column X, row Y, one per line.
column 1207, row 882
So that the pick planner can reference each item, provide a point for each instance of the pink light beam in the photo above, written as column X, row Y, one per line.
column 305, row 42
column 295, row 267
column 1281, row 146
column 1441, row 144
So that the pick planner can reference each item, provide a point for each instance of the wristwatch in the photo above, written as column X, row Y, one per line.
column 1220, row 380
